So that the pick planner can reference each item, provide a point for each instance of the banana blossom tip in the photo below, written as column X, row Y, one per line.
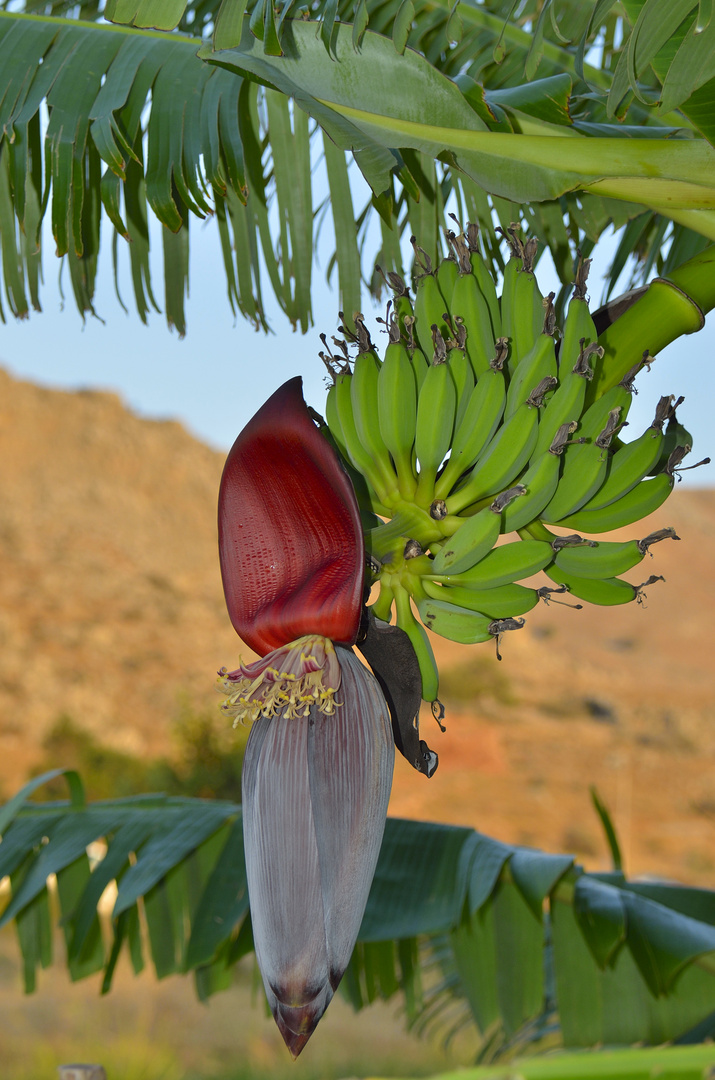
column 315, row 791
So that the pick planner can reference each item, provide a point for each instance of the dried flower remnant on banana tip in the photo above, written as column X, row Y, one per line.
column 318, row 766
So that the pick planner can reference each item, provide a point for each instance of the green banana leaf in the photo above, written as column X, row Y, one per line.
column 516, row 942
column 140, row 125
column 668, row 1062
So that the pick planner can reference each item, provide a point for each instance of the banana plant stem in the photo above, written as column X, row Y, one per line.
column 668, row 309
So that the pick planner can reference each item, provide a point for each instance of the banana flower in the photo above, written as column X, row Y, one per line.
column 318, row 766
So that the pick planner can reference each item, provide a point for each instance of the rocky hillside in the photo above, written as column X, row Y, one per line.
column 111, row 612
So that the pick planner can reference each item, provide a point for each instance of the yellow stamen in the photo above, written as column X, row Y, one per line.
column 290, row 680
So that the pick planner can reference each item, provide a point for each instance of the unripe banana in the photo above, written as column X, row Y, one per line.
column 603, row 591
column 454, row 623
column 333, row 420
column 640, row 501
column 620, row 397
column 507, row 299
column 607, row 560
column 429, row 306
column 538, row 364
column 420, row 367
column 463, row 377
column 579, row 328
column 436, row 411
column 501, row 602
column 540, row 480
column 364, row 398
column 356, row 452
column 368, row 500
column 502, row 565
column 420, row 643
column 584, row 470
column 382, row 608
column 528, row 313
column 566, row 403
column 675, row 435
column 478, row 425
column 484, row 279
column 468, row 303
column 502, row 461
column 401, row 303
column 446, row 275
column 633, row 461
column 460, row 624
column 397, row 411
column 473, row 539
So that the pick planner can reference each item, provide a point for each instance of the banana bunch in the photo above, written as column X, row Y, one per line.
column 480, row 420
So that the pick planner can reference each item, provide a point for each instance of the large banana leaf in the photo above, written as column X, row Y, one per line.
column 464, row 927
column 681, row 1062
column 138, row 124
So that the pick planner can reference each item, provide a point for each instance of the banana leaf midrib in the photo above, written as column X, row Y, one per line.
column 103, row 27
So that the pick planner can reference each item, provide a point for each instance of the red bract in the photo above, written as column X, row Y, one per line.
column 290, row 538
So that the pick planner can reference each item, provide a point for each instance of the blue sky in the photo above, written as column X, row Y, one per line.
column 216, row 377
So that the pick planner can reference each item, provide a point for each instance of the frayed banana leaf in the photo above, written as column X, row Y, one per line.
column 210, row 144
column 464, row 928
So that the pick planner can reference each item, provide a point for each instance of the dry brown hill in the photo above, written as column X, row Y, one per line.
column 111, row 611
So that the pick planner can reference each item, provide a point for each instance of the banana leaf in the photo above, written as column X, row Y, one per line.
column 146, row 126
column 462, row 927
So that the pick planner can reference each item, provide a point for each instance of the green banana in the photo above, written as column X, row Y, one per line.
column 455, row 623
column 463, row 376
column 401, row 303
column 641, row 500
column 603, row 591
column 541, row 481
column 382, row 607
column 462, row 625
column 675, row 435
column 620, row 397
column 528, row 312
column 429, row 305
column 538, row 364
column 397, row 409
column 579, row 328
column 420, row 367
column 610, row 559
column 583, row 473
column 436, row 410
column 501, row 602
column 367, row 498
column 566, row 404
column 507, row 300
column 356, row 452
column 473, row 539
column 468, row 303
column 501, row 566
column 478, row 426
column 632, row 461
column 333, row 420
column 420, row 643
column 484, row 279
column 364, row 399
column 502, row 460
column 446, row 275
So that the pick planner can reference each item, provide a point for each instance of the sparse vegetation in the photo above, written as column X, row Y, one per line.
column 206, row 762
column 477, row 679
